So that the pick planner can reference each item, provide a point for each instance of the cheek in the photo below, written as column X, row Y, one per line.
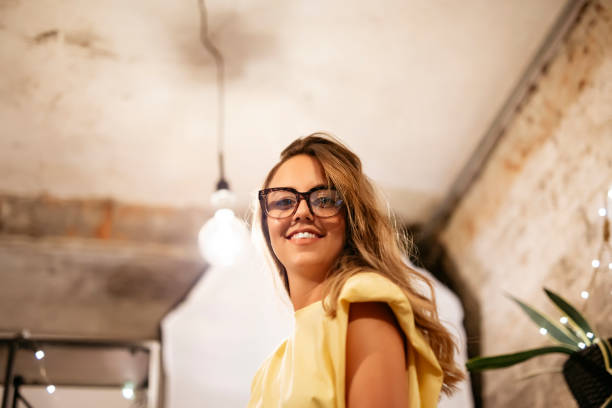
column 273, row 226
column 338, row 228
column 275, row 231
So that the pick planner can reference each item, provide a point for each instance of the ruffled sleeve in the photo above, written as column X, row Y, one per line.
column 257, row 388
column 262, row 386
column 423, row 372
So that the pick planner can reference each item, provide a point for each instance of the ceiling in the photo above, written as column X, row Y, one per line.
column 108, row 109
column 117, row 99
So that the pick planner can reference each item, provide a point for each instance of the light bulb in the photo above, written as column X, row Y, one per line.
column 589, row 335
column 543, row 331
column 39, row 355
column 595, row 263
column 128, row 391
column 563, row 320
column 581, row 345
column 51, row 388
column 222, row 240
column 602, row 212
column 584, row 294
column 223, row 198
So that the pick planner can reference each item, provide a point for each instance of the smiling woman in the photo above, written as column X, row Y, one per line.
column 364, row 335
column 306, row 243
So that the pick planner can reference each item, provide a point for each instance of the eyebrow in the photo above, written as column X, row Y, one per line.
column 311, row 188
column 320, row 185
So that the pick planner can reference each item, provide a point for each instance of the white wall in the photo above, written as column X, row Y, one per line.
column 214, row 342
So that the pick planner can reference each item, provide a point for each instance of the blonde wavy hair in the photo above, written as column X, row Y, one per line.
column 373, row 243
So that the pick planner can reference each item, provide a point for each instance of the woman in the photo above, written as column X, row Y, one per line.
column 364, row 335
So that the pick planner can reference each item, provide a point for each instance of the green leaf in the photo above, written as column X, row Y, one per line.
column 507, row 360
column 554, row 330
column 606, row 352
column 574, row 315
column 607, row 403
column 607, row 345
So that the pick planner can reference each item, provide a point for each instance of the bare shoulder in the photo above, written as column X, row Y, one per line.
column 373, row 323
column 375, row 358
column 371, row 310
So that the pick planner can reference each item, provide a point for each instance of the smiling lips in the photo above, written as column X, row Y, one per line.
column 303, row 236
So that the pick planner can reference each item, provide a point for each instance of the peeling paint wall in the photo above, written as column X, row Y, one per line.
column 531, row 219
column 115, row 99
column 96, row 268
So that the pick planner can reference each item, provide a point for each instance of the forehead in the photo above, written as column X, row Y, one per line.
column 301, row 172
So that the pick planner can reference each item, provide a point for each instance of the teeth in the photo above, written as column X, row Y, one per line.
column 303, row 235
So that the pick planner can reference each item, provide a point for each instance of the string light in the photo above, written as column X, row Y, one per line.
column 589, row 335
column 603, row 211
column 39, row 354
column 543, row 331
column 581, row 345
column 563, row 320
column 128, row 391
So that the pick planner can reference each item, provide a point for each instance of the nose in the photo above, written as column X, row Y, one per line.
column 302, row 210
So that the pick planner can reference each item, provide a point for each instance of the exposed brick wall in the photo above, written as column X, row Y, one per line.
column 531, row 220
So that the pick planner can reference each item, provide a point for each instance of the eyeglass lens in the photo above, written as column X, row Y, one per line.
column 324, row 203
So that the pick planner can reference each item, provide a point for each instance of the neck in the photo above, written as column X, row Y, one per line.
column 304, row 290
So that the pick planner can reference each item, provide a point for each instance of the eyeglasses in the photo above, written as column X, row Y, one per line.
column 282, row 202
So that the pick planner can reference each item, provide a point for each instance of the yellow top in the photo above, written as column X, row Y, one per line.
column 308, row 368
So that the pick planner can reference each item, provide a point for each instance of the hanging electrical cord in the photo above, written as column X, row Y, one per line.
column 220, row 65
column 223, row 238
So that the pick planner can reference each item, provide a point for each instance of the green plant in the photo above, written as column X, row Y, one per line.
column 573, row 336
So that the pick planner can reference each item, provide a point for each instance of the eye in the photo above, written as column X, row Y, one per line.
column 326, row 199
column 324, row 202
column 281, row 200
column 283, row 203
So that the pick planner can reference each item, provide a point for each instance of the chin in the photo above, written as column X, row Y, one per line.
column 306, row 264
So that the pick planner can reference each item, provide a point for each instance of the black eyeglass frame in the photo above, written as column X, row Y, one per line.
column 300, row 195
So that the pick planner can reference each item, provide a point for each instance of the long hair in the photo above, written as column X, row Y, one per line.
column 373, row 243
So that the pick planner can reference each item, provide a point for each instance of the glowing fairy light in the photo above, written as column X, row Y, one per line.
column 50, row 388
column 581, row 345
column 563, row 320
column 602, row 212
column 584, row 294
column 543, row 331
column 128, row 391
column 595, row 263
column 39, row 355
column 589, row 335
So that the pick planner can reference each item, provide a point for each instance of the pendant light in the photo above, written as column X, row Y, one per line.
column 222, row 239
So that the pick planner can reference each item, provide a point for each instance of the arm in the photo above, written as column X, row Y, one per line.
column 375, row 358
